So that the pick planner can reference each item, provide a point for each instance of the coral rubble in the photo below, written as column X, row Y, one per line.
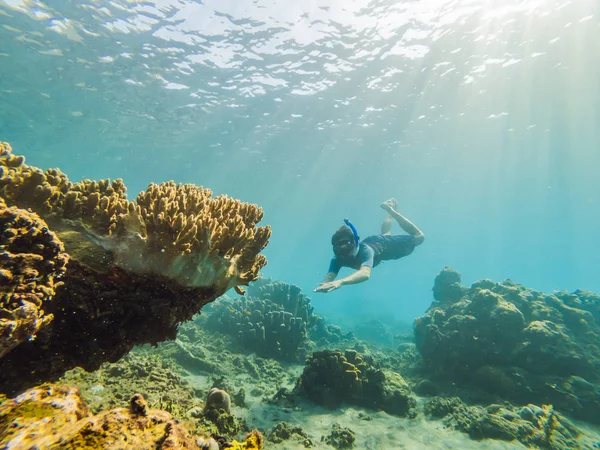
column 531, row 425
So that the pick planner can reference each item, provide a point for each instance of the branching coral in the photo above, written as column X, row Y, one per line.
column 179, row 231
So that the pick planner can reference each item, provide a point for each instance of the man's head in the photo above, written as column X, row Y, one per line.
column 343, row 242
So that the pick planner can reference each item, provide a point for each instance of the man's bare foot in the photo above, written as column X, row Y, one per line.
column 390, row 204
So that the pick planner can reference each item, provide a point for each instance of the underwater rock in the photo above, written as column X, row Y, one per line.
column 285, row 432
column 99, row 317
column 219, row 399
column 283, row 398
column 427, row 388
column 531, row 425
column 32, row 261
column 187, row 358
column 331, row 378
column 512, row 341
column 340, row 438
column 207, row 444
column 56, row 417
column 447, row 287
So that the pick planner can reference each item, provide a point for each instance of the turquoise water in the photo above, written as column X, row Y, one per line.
column 481, row 117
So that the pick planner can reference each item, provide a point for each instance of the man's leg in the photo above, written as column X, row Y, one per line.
column 386, row 226
column 409, row 227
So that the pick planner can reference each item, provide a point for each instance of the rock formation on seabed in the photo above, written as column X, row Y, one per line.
column 88, row 274
column 331, row 378
column 516, row 343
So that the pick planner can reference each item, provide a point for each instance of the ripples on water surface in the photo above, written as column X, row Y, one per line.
column 446, row 97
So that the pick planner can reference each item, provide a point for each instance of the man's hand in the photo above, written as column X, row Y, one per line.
column 328, row 287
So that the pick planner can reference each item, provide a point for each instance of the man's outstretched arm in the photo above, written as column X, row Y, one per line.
column 329, row 277
column 361, row 275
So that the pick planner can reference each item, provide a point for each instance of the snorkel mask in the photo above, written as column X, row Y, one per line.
column 343, row 248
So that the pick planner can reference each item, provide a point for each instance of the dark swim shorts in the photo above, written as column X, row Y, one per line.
column 390, row 247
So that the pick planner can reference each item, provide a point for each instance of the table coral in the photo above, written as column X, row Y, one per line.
column 178, row 230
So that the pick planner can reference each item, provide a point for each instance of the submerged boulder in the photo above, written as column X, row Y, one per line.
column 512, row 341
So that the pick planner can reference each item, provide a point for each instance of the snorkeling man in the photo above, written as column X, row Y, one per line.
column 364, row 255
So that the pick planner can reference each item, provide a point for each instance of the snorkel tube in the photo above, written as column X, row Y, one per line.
column 354, row 232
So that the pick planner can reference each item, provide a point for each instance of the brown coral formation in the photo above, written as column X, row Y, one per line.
column 331, row 378
column 137, row 269
column 514, row 342
column 32, row 259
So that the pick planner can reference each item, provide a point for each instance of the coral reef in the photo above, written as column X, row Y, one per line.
column 375, row 331
column 340, row 438
column 56, row 417
column 327, row 335
column 290, row 297
column 262, row 326
column 285, row 432
column 219, row 422
column 110, row 386
column 32, row 260
column 332, row 377
column 514, row 342
column 137, row 269
column 531, row 425
column 202, row 352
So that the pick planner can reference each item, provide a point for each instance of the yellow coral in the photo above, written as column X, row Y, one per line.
column 179, row 231
column 33, row 259
column 254, row 441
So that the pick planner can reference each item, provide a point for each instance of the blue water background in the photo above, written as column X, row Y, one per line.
column 481, row 117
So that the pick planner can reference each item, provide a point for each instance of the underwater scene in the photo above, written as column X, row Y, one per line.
column 329, row 224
